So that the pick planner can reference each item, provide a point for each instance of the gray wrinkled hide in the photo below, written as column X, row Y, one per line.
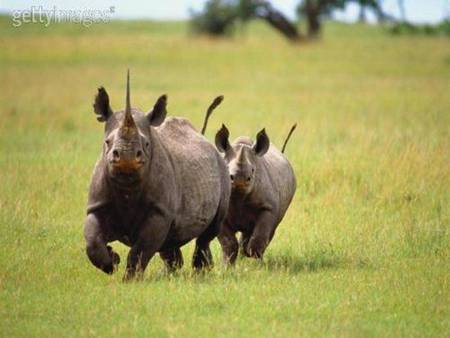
column 257, row 212
column 275, row 182
column 183, row 195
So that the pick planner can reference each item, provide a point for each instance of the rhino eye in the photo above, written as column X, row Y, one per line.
column 107, row 142
column 147, row 144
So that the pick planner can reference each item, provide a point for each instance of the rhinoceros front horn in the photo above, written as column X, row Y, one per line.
column 128, row 127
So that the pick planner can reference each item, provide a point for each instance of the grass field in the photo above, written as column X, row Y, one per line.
column 364, row 247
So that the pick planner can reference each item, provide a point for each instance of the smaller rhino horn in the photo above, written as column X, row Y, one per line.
column 241, row 156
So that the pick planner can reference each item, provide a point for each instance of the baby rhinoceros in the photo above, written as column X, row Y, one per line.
column 263, row 185
column 157, row 185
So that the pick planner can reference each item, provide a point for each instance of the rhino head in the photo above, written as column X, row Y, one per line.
column 242, row 158
column 127, row 143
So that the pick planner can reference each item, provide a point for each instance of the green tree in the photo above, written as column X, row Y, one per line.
column 220, row 16
column 217, row 18
column 314, row 11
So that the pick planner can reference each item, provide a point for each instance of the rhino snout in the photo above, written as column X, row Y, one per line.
column 241, row 182
column 127, row 156
column 127, row 161
column 239, row 179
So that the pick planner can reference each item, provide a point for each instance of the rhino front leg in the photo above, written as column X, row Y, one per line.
column 229, row 244
column 262, row 234
column 151, row 237
column 101, row 255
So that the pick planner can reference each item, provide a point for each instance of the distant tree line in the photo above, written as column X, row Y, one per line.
column 220, row 17
column 403, row 26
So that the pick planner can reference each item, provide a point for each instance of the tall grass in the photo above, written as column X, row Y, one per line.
column 364, row 247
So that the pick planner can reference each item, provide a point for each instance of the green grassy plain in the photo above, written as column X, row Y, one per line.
column 364, row 248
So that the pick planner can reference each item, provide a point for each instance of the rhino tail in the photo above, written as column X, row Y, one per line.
column 211, row 108
column 288, row 137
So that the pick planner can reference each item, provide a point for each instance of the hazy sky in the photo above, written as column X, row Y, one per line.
column 416, row 10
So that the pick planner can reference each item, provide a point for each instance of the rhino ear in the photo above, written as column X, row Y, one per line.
column 101, row 105
column 222, row 143
column 159, row 112
column 262, row 143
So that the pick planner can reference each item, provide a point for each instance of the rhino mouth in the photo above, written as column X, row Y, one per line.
column 240, row 186
column 128, row 179
column 127, row 167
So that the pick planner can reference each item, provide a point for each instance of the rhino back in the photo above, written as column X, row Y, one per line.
column 199, row 172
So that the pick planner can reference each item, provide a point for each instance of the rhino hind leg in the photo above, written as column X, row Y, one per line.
column 202, row 257
column 243, row 243
column 173, row 259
